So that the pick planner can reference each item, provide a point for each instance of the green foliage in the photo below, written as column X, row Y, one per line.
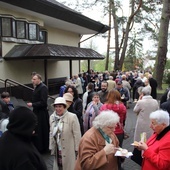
column 134, row 53
column 97, row 65
column 166, row 76
column 167, row 66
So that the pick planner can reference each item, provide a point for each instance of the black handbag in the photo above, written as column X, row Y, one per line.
column 136, row 157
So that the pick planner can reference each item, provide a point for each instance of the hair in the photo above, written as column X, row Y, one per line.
column 106, row 118
column 4, row 95
column 146, row 91
column 90, row 86
column 74, row 91
column 110, row 77
column 67, row 82
column 65, row 106
column 113, row 96
column 39, row 76
column 104, row 81
column 95, row 94
column 123, row 77
column 161, row 116
column 140, row 90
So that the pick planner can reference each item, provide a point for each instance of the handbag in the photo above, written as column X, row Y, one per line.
column 136, row 157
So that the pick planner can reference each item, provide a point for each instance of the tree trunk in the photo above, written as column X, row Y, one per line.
column 116, row 64
column 119, row 61
column 162, row 46
column 108, row 42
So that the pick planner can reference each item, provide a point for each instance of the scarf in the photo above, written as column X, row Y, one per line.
column 58, row 128
column 106, row 137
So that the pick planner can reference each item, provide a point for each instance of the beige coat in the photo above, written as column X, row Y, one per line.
column 70, row 138
column 92, row 155
column 78, row 86
column 143, row 109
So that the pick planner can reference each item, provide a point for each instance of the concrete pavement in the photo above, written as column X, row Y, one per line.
column 129, row 127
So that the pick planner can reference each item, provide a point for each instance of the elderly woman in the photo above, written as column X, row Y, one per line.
column 156, row 151
column 114, row 103
column 64, row 127
column 98, row 145
column 144, row 106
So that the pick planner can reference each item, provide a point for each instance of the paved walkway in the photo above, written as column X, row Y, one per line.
column 129, row 127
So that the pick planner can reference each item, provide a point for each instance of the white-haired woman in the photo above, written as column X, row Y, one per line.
column 156, row 151
column 98, row 145
column 144, row 106
column 64, row 136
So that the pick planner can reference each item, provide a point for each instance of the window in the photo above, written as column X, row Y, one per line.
column 14, row 28
column 6, row 27
column 43, row 36
column 32, row 32
column 21, row 29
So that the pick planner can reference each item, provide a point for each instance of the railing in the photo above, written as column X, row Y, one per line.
column 17, row 84
column 2, row 81
column 2, row 85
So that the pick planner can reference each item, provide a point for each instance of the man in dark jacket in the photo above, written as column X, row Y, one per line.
column 166, row 105
column 153, row 83
column 123, row 92
column 16, row 150
column 39, row 104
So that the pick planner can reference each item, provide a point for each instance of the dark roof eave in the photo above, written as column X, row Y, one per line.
column 50, row 58
column 51, row 51
column 59, row 11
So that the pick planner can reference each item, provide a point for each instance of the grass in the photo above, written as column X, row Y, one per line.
column 164, row 87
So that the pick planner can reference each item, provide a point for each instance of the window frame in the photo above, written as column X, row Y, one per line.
column 25, row 30
column 36, row 31
column 10, row 29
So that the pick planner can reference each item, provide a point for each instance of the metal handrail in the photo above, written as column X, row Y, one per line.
column 17, row 83
column 2, row 81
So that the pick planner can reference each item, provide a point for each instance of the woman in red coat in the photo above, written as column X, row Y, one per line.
column 114, row 103
column 156, row 151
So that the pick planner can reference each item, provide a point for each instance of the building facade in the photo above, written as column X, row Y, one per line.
column 43, row 36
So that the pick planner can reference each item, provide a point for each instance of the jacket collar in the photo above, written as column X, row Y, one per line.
column 159, row 136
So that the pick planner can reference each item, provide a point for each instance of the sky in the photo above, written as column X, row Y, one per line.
column 96, row 13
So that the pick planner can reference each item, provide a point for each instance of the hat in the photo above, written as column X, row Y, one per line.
column 68, row 97
column 119, row 82
column 22, row 121
column 60, row 100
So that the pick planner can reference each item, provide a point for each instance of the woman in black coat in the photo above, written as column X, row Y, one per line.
column 16, row 150
column 77, row 105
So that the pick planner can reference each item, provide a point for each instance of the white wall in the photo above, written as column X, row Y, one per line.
column 20, row 70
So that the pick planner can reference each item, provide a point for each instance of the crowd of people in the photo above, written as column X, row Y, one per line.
column 87, row 126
